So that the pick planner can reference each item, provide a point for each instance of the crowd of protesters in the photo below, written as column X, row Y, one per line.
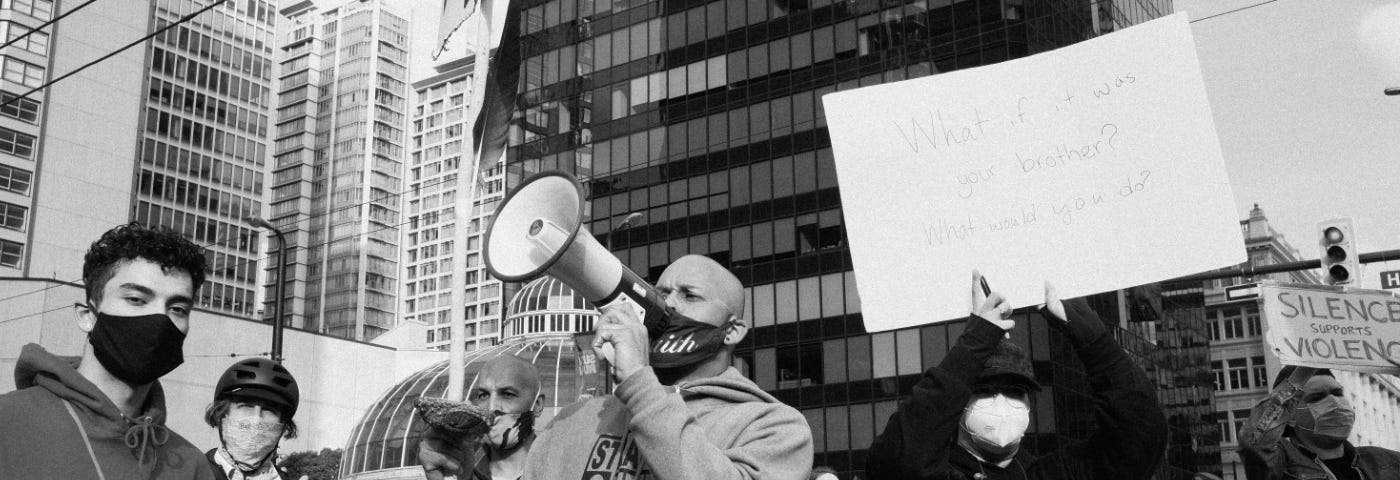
column 676, row 413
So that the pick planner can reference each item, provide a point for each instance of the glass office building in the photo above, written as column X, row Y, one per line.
column 705, row 118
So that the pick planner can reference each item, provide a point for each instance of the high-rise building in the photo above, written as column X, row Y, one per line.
column 169, row 133
column 204, row 141
column 338, row 166
column 1244, row 368
column 704, row 117
column 441, row 134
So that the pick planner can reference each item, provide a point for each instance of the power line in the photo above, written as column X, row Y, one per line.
column 1246, row 7
column 45, row 24
column 224, row 242
column 144, row 39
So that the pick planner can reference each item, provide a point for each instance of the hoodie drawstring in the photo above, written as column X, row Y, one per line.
column 142, row 433
column 83, row 431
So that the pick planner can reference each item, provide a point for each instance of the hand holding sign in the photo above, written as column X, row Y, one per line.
column 1092, row 164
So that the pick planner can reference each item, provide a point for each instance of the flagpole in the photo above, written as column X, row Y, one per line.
column 463, row 207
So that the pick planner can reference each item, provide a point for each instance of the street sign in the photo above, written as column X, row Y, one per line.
column 1332, row 327
column 1390, row 279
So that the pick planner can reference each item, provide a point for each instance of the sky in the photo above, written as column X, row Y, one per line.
column 1296, row 89
column 1297, row 92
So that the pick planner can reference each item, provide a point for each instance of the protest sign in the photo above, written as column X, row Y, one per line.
column 1095, row 166
column 1332, row 327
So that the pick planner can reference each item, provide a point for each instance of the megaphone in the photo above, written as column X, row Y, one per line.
column 538, row 230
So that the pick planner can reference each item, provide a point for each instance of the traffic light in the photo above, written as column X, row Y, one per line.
column 1341, row 264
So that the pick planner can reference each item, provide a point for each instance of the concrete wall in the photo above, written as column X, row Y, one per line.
column 88, row 152
column 339, row 378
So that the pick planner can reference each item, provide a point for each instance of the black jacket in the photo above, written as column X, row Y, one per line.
column 1286, row 460
column 920, row 440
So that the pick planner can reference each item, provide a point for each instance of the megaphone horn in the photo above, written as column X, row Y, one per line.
column 538, row 230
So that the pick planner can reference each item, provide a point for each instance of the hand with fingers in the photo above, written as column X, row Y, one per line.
column 990, row 305
column 446, row 454
column 1073, row 317
column 622, row 340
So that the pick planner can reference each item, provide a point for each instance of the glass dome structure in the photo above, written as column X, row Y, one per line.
column 543, row 317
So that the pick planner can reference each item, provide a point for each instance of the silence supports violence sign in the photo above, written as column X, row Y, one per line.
column 1332, row 327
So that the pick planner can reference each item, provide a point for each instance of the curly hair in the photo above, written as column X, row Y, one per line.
column 158, row 244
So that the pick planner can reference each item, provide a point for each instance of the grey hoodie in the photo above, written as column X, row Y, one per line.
column 39, row 438
column 722, row 427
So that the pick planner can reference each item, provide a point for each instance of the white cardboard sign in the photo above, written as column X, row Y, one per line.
column 1095, row 166
column 1327, row 327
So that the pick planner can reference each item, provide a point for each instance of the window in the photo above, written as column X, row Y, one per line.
column 1261, row 376
column 23, row 72
column 1251, row 319
column 15, row 179
column 40, row 9
column 12, row 216
column 37, row 42
column 10, row 253
column 23, row 109
column 1238, row 373
column 1218, row 368
column 15, row 143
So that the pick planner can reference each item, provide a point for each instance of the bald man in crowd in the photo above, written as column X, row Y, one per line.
column 680, row 411
column 509, row 387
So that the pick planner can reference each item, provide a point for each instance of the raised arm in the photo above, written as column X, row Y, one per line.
column 1131, row 438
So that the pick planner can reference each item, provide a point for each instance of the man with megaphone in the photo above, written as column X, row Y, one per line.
column 680, row 411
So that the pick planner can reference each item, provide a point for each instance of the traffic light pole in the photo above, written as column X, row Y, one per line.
column 1250, row 270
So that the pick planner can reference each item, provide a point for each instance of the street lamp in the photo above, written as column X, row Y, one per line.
column 623, row 225
column 257, row 222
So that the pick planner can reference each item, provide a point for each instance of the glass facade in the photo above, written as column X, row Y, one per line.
column 384, row 444
column 705, row 118
column 203, row 143
column 340, row 148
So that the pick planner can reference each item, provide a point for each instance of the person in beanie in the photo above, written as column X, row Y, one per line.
column 966, row 416
column 1300, row 431
column 253, row 406
column 102, row 415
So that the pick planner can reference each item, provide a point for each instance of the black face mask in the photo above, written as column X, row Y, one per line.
column 515, row 435
column 686, row 342
column 137, row 350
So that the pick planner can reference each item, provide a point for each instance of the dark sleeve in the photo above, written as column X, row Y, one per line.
column 1131, row 436
column 915, row 442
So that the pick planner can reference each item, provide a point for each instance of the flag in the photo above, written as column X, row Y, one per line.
column 454, row 14
column 498, row 97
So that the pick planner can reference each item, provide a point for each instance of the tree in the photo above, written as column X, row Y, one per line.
column 323, row 465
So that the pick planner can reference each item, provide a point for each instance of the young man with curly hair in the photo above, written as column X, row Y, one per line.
column 102, row 415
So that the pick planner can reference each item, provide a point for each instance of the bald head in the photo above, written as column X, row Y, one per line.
column 507, row 384
column 695, row 280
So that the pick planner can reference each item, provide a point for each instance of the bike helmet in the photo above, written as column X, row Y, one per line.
column 262, row 379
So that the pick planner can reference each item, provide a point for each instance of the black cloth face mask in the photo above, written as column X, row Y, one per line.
column 137, row 350
column 686, row 341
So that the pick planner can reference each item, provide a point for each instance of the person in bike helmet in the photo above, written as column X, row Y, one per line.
column 254, row 403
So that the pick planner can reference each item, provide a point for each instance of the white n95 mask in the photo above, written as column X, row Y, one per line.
column 996, row 424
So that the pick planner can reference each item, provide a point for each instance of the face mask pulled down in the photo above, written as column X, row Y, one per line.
column 995, row 426
column 249, row 439
column 137, row 350
column 509, row 430
column 1330, row 418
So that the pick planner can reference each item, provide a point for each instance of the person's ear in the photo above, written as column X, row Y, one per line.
column 538, row 407
column 86, row 317
column 736, row 331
